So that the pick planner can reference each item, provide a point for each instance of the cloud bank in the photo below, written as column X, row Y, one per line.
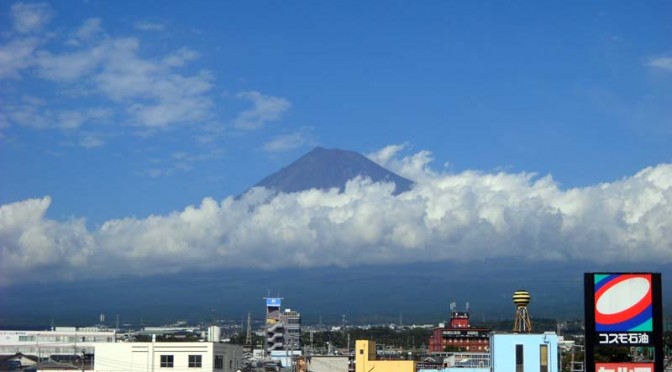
column 466, row 216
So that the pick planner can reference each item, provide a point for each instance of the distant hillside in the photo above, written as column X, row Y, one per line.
column 368, row 294
column 328, row 168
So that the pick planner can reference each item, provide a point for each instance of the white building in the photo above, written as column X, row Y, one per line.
column 166, row 356
column 59, row 341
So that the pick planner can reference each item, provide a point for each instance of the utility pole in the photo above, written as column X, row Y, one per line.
column 248, row 337
column 311, row 341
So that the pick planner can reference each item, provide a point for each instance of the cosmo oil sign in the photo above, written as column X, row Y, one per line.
column 623, row 310
column 623, row 303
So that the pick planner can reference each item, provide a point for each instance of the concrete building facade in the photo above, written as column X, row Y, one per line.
column 283, row 328
column 525, row 352
column 166, row 356
column 366, row 360
column 59, row 341
column 517, row 353
column 459, row 335
column 327, row 363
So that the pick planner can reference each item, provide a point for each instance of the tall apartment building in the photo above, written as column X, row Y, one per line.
column 292, row 326
column 283, row 328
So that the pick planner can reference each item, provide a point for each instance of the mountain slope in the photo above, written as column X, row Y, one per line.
column 328, row 168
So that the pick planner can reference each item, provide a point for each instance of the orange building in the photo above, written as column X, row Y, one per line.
column 366, row 360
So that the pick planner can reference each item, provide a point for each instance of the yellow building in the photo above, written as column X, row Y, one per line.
column 365, row 360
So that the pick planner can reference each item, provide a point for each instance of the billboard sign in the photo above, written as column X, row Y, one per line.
column 622, row 309
column 273, row 301
column 624, row 367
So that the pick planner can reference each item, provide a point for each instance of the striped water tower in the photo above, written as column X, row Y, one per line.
column 522, row 324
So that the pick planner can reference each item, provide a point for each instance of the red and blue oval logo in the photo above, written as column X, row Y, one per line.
column 623, row 302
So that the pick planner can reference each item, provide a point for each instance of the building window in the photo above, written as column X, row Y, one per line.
column 166, row 361
column 219, row 362
column 543, row 358
column 195, row 361
column 519, row 358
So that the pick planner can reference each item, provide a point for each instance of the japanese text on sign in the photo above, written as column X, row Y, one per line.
column 623, row 338
column 624, row 367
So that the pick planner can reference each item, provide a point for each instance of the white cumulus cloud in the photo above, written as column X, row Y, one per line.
column 150, row 26
column 289, row 141
column 30, row 17
column 467, row 216
column 17, row 55
column 265, row 109
column 664, row 63
column 154, row 95
column 89, row 28
column 145, row 91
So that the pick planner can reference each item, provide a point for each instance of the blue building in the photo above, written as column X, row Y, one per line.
column 517, row 352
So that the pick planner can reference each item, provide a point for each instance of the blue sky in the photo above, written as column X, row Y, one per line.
column 115, row 111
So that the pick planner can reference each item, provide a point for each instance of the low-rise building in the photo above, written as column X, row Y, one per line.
column 459, row 335
column 525, row 352
column 154, row 356
column 367, row 360
column 516, row 352
column 328, row 363
column 58, row 341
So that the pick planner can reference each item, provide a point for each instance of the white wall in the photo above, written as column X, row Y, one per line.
column 328, row 364
column 62, row 341
column 146, row 356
